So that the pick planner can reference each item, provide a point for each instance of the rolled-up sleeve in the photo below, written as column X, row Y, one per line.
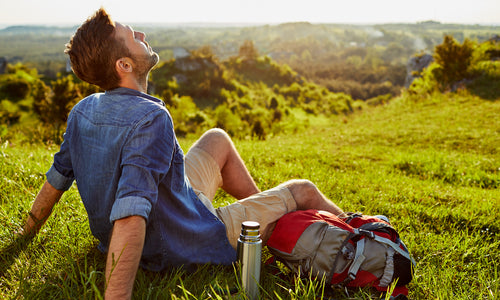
column 130, row 206
column 61, row 175
column 57, row 180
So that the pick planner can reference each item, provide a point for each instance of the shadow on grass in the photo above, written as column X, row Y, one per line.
column 453, row 222
column 68, row 277
column 486, row 87
column 11, row 252
column 80, row 275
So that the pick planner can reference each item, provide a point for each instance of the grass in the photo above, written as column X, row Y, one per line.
column 433, row 167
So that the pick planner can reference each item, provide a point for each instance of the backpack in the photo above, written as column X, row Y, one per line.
column 357, row 251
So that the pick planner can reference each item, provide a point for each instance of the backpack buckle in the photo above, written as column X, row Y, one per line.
column 351, row 276
column 367, row 233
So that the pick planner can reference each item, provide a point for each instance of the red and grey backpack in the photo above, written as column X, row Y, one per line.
column 357, row 251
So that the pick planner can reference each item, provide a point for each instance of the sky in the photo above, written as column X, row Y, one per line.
column 71, row 12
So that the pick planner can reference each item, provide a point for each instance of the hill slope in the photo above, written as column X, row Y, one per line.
column 431, row 166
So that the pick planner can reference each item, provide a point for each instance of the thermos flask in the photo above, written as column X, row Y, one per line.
column 249, row 255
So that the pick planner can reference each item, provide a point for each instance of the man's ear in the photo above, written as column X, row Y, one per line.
column 124, row 65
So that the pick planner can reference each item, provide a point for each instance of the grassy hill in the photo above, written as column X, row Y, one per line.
column 431, row 164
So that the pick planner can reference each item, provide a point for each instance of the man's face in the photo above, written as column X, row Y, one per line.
column 143, row 56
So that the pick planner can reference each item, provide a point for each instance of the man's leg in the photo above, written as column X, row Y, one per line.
column 269, row 206
column 236, row 180
column 308, row 196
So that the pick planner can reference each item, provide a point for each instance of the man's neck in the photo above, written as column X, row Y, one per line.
column 135, row 85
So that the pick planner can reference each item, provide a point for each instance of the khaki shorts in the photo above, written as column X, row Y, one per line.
column 265, row 207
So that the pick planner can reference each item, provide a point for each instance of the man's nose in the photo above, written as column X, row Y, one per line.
column 141, row 35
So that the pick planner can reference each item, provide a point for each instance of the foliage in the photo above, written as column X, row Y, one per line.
column 38, row 109
column 186, row 115
column 199, row 76
column 453, row 61
column 261, row 69
column 356, row 71
column 341, row 53
column 252, row 95
column 14, row 88
column 15, row 100
column 469, row 67
column 10, row 113
column 15, row 85
column 486, row 79
column 426, row 84
column 485, row 70
column 248, row 51
column 247, row 95
column 53, row 104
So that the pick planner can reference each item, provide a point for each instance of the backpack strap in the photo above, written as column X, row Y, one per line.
column 358, row 260
column 388, row 242
column 368, row 230
column 337, row 257
column 359, row 257
column 396, row 247
column 388, row 275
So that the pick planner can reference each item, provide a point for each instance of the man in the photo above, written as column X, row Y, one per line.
column 147, row 204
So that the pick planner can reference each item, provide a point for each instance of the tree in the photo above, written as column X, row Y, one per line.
column 65, row 96
column 53, row 107
column 248, row 51
column 204, row 52
column 258, row 130
column 453, row 60
column 15, row 88
column 41, row 101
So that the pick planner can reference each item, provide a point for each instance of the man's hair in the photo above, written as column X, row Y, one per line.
column 94, row 49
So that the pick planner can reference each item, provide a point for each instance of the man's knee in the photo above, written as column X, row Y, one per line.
column 215, row 136
column 217, row 143
column 303, row 191
column 216, row 132
column 299, row 184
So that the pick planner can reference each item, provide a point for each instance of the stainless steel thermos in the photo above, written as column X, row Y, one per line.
column 249, row 255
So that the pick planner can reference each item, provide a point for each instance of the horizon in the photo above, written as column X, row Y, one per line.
column 237, row 24
column 258, row 12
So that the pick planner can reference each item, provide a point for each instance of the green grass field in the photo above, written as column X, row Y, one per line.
column 432, row 167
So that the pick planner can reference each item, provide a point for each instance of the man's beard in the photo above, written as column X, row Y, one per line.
column 144, row 64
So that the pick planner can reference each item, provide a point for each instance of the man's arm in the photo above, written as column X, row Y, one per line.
column 41, row 209
column 124, row 255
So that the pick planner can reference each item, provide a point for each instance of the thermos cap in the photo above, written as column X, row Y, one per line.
column 250, row 230
column 250, row 225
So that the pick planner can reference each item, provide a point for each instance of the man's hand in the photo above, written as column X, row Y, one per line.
column 41, row 209
column 124, row 255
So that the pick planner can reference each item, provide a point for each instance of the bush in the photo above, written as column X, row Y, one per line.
column 426, row 84
column 485, row 70
column 228, row 121
column 487, row 81
column 9, row 113
column 379, row 100
column 453, row 61
column 188, row 118
column 467, row 66
column 14, row 88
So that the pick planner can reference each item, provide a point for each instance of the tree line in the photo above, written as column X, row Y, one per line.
column 248, row 94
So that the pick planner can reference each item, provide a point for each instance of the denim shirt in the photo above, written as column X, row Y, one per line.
column 121, row 149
